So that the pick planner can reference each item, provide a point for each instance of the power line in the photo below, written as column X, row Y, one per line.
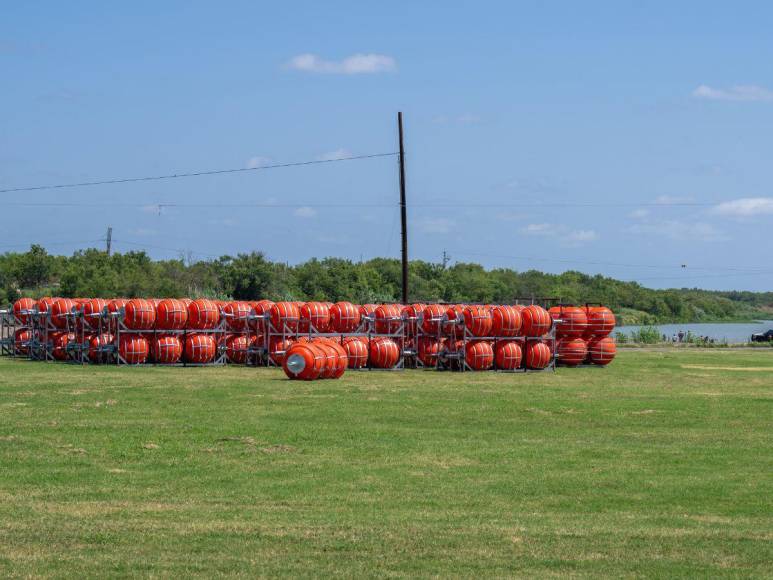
column 195, row 173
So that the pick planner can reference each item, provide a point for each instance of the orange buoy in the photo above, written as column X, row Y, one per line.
column 333, row 357
column 536, row 321
column 236, row 348
column 100, row 346
column 44, row 307
column 62, row 312
column 571, row 351
column 367, row 309
column 412, row 313
column 113, row 311
column 236, row 314
column 344, row 317
column 305, row 361
column 22, row 309
column 537, row 355
column 356, row 351
column 166, row 349
column 478, row 320
column 602, row 350
column 139, row 314
column 508, row 355
column 384, row 353
column 505, row 321
column 316, row 315
column 262, row 310
column 571, row 321
column 479, row 355
column 428, row 349
column 203, row 314
column 60, row 341
column 133, row 348
column 285, row 317
column 277, row 347
column 171, row 314
column 21, row 341
column 431, row 318
column 601, row 321
column 453, row 321
column 200, row 348
column 93, row 312
column 387, row 319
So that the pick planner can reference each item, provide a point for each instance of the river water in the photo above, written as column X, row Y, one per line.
column 731, row 332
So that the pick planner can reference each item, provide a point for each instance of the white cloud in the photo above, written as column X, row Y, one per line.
column 579, row 236
column 436, row 225
column 734, row 93
column 539, row 230
column 351, row 65
column 565, row 235
column 337, row 154
column 745, row 207
column 305, row 212
column 639, row 214
column 679, row 230
column 257, row 161
column 672, row 199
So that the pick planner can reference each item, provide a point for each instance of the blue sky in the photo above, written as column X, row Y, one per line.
column 625, row 138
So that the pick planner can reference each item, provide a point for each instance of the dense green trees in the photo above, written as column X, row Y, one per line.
column 252, row 276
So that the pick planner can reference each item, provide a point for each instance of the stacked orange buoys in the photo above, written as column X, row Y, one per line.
column 356, row 350
column 344, row 317
column 22, row 309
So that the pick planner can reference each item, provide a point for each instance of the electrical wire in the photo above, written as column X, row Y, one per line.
column 194, row 173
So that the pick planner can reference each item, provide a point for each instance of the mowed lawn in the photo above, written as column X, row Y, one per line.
column 660, row 465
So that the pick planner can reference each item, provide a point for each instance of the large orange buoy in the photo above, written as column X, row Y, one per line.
column 431, row 317
column 478, row 320
column 571, row 321
column 139, row 314
column 200, row 348
column 236, row 314
column 22, row 308
column 537, row 354
column 342, row 360
column 344, row 317
column 367, row 309
column 21, row 341
column 285, row 317
column 305, row 361
column 505, row 321
column 133, row 348
column 60, row 341
column 93, row 312
column 356, row 348
column 411, row 313
column 100, row 347
column 44, row 307
column 171, row 314
column 384, row 353
column 261, row 310
column 479, row 355
column 203, row 314
column 166, row 349
column 236, row 348
column 571, row 351
column 336, row 358
column 428, row 349
column 601, row 321
column 602, row 350
column 452, row 324
column 113, row 311
column 316, row 315
column 62, row 312
column 388, row 319
column 277, row 347
column 536, row 321
column 508, row 355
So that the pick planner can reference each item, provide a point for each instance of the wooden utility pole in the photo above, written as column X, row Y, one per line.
column 109, row 240
column 403, row 212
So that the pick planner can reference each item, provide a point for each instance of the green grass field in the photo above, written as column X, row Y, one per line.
column 660, row 465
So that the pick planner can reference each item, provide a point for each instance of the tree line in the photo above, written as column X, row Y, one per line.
column 92, row 273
